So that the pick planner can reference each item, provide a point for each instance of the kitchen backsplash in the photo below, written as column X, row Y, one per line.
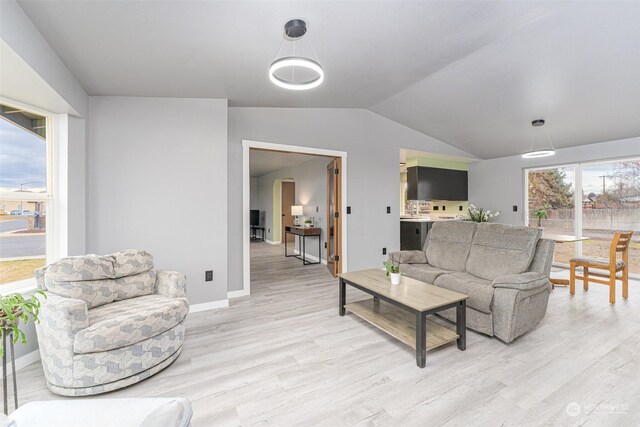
column 436, row 208
column 442, row 208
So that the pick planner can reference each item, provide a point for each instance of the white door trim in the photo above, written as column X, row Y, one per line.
column 246, row 181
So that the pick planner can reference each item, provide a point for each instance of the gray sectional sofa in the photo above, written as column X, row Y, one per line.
column 504, row 269
column 108, row 321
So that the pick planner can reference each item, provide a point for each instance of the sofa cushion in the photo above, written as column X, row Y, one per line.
column 500, row 250
column 599, row 262
column 448, row 244
column 131, row 262
column 128, row 322
column 408, row 257
column 480, row 291
column 423, row 272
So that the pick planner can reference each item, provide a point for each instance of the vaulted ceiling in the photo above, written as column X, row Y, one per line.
column 470, row 73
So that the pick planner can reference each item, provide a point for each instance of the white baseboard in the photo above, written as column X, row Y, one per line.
column 23, row 361
column 273, row 242
column 236, row 294
column 196, row 308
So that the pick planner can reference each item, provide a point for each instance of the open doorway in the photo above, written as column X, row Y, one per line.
column 293, row 199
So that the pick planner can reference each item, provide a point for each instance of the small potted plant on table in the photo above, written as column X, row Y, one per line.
column 540, row 214
column 393, row 271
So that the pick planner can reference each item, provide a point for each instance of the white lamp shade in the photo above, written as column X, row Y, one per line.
column 296, row 210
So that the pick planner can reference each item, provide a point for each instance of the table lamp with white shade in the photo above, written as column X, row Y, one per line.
column 296, row 211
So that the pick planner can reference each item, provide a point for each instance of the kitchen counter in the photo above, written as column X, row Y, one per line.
column 426, row 219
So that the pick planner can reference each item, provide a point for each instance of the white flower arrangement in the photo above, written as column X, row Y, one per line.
column 480, row 215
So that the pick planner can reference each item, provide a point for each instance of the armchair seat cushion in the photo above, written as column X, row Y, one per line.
column 128, row 322
column 480, row 291
column 600, row 262
column 423, row 272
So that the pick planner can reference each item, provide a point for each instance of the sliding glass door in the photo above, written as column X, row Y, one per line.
column 551, row 205
column 593, row 199
column 611, row 202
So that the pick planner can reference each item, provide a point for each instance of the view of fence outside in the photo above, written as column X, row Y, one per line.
column 610, row 203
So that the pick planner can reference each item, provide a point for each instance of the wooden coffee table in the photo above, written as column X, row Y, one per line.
column 402, row 310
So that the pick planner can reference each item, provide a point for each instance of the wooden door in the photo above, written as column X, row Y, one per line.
column 334, row 217
column 288, row 196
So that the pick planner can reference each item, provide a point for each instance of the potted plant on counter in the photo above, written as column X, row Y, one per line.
column 480, row 215
column 393, row 271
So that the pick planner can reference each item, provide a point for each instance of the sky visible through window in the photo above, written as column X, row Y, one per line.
column 23, row 158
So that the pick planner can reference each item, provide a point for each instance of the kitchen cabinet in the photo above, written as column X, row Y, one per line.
column 413, row 234
column 426, row 183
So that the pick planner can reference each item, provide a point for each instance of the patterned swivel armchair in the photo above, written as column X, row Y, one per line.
column 108, row 321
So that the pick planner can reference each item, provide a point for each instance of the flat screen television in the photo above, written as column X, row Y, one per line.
column 255, row 218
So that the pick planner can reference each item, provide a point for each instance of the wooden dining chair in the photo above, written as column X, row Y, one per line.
column 612, row 265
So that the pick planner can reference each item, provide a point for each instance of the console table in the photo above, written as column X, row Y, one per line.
column 302, row 233
column 254, row 234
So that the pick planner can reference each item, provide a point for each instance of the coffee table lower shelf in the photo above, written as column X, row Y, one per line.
column 399, row 323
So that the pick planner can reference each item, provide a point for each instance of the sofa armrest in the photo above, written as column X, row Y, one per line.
column 408, row 257
column 68, row 314
column 522, row 282
column 171, row 284
column 60, row 319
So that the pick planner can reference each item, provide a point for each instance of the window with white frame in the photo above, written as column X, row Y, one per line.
column 25, row 195
column 591, row 199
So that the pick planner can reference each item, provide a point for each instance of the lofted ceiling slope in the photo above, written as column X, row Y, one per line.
column 470, row 73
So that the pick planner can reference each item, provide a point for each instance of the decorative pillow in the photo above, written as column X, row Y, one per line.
column 79, row 268
column 136, row 285
column 130, row 262
column 500, row 250
column 94, row 292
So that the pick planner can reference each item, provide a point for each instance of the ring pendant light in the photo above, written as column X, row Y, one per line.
column 293, row 31
column 543, row 152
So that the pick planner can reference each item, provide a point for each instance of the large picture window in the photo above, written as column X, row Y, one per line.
column 593, row 199
column 25, row 194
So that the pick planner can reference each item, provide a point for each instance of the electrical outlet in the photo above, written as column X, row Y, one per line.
column 317, row 209
column 515, row 208
column 384, row 251
column 208, row 276
column 459, row 208
column 325, row 245
column 435, row 208
column 348, row 210
column 388, row 209
column 444, row 208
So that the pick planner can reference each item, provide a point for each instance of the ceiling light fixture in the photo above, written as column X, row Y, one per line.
column 293, row 31
column 543, row 152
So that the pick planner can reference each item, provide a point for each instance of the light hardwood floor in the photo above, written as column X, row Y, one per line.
column 283, row 356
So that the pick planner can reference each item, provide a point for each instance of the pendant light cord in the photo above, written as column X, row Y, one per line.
column 533, row 137
column 548, row 139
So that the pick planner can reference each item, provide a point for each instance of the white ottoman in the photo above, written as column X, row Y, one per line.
column 135, row 412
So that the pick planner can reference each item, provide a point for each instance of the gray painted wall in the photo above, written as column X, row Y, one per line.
column 499, row 183
column 311, row 192
column 373, row 145
column 157, row 180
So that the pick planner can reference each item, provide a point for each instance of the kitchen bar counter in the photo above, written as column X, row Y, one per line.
column 426, row 219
